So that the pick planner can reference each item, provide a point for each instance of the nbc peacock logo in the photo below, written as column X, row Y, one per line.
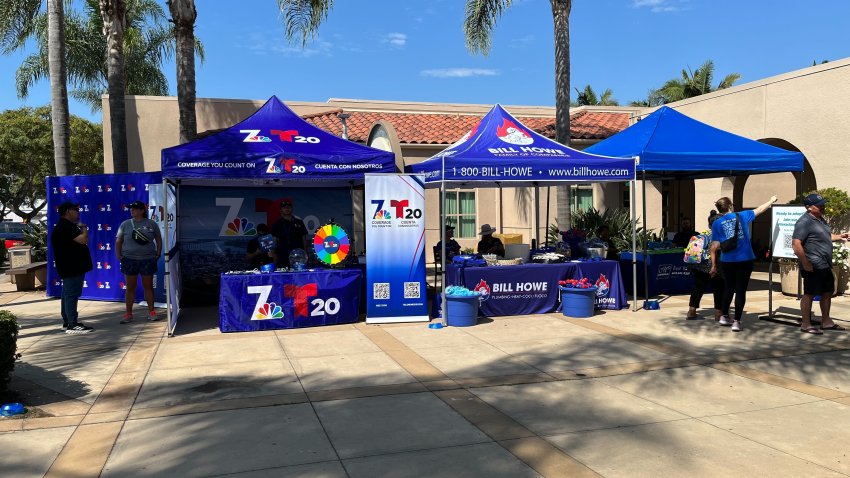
column 269, row 311
column 382, row 215
column 240, row 226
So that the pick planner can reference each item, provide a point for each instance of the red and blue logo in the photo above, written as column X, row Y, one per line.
column 483, row 289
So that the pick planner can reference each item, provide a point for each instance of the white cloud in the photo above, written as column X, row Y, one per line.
column 521, row 42
column 458, row 72
column 315, row 48
column 397, row 40
column 662, row 6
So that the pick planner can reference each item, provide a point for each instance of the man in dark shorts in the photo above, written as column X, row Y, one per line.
column 255, row 254
column 70, row 243
column 290, row 232
column 812, row 243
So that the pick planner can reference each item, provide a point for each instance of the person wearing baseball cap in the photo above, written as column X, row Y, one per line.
column 812, row 243
column 452, row 246
column 138, row 245
column 290, row 232
column 70, row 243
column 489, row 244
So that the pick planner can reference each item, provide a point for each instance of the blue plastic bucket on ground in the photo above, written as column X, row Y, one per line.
column 462, row 310
column 578, row 303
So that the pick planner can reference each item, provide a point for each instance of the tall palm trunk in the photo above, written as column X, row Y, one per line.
column 114, row 13
column 59, row 115
column 561, row 14
column 183, row 14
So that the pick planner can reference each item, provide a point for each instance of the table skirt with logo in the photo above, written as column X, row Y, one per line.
column 533, row 288
column 289, row 300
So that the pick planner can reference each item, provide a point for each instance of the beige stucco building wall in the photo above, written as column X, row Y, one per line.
column 805, row 109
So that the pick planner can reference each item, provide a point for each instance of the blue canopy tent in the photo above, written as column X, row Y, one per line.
column 271, row 146
column 671, row 145
column 500, row 150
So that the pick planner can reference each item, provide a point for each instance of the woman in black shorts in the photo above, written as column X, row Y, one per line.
column 138, row 246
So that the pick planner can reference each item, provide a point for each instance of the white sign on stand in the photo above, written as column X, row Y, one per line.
column 782, row 229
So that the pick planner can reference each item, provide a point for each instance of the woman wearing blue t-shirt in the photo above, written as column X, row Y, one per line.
column 736, row 263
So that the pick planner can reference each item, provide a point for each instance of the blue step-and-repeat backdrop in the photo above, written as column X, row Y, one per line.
column 103, row 200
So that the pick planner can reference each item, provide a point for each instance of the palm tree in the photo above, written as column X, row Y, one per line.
column 302, row 18
column 147, row 44
column 694, row 83
column 481, row 17
column 183, row 14
column 17, row 22
column 114, row 15
column 588, row 97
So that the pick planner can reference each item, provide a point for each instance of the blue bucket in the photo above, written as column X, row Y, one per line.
column 578, row 303
column 462, row 310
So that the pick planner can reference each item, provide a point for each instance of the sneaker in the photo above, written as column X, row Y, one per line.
column 724, row 320
column 63, row 326
column 126, row 318
column 78, row 329
column 152, row 316
column 736, row 326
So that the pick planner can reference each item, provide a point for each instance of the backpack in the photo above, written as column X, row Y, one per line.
column 697, row 253
column 731, row 243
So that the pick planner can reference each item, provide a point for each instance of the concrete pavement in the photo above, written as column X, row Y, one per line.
column 621, row 394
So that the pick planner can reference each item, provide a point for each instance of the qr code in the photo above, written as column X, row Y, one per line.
column 787, row 239
column 411, row 290
column 381, row 290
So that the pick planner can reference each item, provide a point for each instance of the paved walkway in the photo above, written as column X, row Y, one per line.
column 623, row 394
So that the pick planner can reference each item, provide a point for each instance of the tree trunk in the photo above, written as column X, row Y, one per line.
column 114, row 14
column 59, row 115
column 561, row 14
column 183, row 14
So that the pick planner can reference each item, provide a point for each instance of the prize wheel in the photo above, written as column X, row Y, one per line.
column 331, row 244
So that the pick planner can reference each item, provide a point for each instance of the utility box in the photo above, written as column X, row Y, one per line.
column 19, row 256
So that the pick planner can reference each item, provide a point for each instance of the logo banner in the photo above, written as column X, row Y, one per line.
column 103, row 200
column 395, row 239
column 290, row 300
column 217, row 223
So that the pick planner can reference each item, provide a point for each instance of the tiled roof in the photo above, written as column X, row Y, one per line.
column 420, row 128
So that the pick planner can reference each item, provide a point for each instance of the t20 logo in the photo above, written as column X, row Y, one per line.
column 402, row 211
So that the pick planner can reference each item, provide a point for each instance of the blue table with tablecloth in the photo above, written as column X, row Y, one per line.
column 289, row 300
column 533, row 288
column 668, row 273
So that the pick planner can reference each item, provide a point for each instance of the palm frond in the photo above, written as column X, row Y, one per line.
column 479, row 20
column 17, row 23
column 32, row 70
column 728, row 81
column 302, row 18
column 90, row 96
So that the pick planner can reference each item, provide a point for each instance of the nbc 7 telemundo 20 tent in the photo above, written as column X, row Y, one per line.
column 272, row 147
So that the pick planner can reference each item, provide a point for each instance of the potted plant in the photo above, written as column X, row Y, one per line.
column 788, row 275
column 841, row 267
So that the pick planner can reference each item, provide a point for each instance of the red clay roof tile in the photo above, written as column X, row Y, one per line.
column 420, row 128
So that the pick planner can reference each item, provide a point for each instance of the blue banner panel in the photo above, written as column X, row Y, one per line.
column 395, row 232
column 103, row 200
column 533, row 288
column 216, row 225
column 668, row 273
column 288, row 300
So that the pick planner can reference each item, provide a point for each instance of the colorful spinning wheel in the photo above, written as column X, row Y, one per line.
column 331, row 244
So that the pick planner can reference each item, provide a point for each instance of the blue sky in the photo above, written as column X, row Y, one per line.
column 414, row 50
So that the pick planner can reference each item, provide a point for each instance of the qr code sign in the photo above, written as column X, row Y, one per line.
column 787, row 239
column 381, row 290
column 411, row 290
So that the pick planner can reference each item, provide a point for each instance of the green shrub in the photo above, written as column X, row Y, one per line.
column 35, row 235
column 8, row 346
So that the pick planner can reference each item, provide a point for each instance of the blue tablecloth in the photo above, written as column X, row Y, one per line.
column 533, row 288
column 289, row 300
column 668, row 273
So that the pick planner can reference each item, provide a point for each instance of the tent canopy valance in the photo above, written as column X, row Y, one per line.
column 274, row 143
column 500, row 150
column 672, row 145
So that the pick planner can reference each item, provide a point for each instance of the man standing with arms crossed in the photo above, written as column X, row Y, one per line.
column 812, row 243
column 70, row 242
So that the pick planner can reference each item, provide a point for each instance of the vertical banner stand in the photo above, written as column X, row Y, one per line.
column 783, row 219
